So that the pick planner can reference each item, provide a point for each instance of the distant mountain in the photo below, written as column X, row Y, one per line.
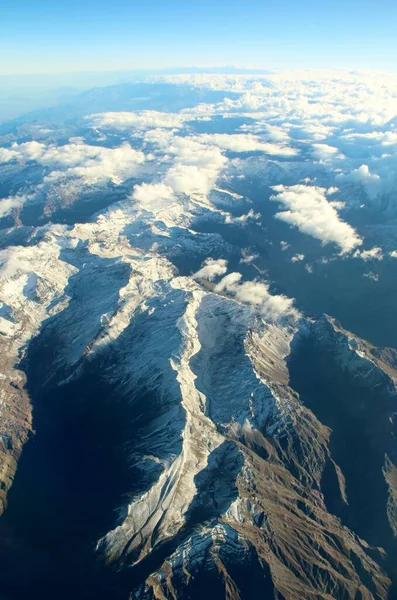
column 123, row 96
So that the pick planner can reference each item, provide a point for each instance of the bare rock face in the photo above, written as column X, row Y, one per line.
column 15, row 423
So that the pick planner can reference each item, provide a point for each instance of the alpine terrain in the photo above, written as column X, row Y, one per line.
column 198, row 366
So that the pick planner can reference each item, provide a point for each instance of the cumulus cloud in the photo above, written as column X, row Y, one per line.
column 153, row 196
column 250, row 216
column 256, row 293
column 228, row 283
column 393, row 253
column 190, row 179
column 7, row 205
column 6, row 155
column 211, row 269
column 362, row 174
column 91, row 163
column 248, row 258
column 309, row 210
column 371, row 182
column 324, row 152
column 332, row 190
column 297, row 258
column 192, row 152
column 375, row 253
column 195, row 166
column 159, row 137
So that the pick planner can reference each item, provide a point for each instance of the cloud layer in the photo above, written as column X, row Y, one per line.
column 314, row 134
column 91, row 163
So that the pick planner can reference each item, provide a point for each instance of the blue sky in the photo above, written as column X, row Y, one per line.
column 52, row 36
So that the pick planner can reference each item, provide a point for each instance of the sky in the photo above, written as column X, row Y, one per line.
column 46, row 36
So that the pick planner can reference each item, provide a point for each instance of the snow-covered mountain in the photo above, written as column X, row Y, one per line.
column 179, row 417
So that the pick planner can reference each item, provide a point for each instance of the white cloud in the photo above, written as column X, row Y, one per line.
column 257, row 294
column 250, row 216
column 347, row 117
column 190, row 179
column 346, row 121
column 6, row 155
column 7, row 205
column 274, row 133
column 374, row 253
column 147, row 119
column 191, row 152
column 332, row 190
column 91, row 163
column 160, row 137
column 245, row 142
column 228, row 283
column 371, row 275
column 211, row 269
column 324, row 152
column 297, row 258
column 393, row 254
column 196, row 166
column 248, row 258
column 153, row 196
column 310, row 211
column 362, row 174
